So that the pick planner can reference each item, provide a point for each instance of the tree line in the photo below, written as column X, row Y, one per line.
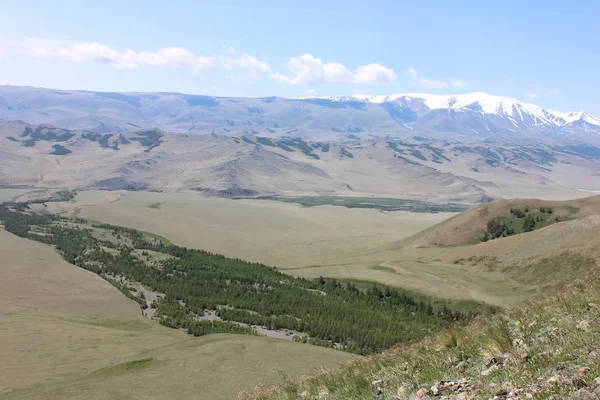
column 321, row 311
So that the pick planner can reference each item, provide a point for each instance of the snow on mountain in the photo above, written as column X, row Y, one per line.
column 516, row 111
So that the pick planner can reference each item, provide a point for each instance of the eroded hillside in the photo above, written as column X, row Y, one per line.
column 438, row 171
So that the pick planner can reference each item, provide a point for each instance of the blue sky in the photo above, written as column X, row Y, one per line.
column 538, row 51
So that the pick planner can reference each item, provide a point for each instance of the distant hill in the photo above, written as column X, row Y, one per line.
column 471, row 226
column 474, row 115
column 248, row 165
column 562, row 243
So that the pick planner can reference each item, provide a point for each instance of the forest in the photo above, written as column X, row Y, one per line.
column 241, row 294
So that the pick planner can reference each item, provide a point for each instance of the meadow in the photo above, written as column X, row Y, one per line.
column 64, row 330
column 271, row 232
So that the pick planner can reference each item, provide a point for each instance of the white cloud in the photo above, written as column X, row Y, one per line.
column 418, row 80
column 303, row 70
column 532, row 93
column 99, row 53
column 555, row 91
column 312, row 92
column 309, row 70
column 255, row 66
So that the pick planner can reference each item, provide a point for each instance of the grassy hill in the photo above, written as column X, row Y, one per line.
column 442, row 259
column 471, row 226
column 548, row 349
column 65, row 333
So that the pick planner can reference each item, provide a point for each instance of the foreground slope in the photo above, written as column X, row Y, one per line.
column 548, row 349
column 66, row 333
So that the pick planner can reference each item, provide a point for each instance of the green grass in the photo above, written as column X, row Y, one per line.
column 160, row 238
column 551, row 271
column 461, row 305
column 126, row 367
column 380, row 203
column 133, row 325
column 524, row 349
column 156, row 205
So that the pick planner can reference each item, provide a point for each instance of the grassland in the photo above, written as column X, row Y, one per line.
column 67, row 334
column 275, row 233
column 378, row 203
column 434, row 254
column 547, row 349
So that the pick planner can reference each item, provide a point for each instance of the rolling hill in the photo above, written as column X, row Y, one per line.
column 438, row 171
column 66, row 333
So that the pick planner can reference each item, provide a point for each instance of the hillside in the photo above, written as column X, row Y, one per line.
column 470, row 227
column 547, row 349
column 436, row 171
column 68, row 334
column 562, row 242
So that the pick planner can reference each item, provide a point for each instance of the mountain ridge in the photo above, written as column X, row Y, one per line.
column 472, row 116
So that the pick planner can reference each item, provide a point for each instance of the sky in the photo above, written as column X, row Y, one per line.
column 544, row 52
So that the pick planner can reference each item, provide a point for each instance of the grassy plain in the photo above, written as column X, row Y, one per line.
column 434, row 254
column 67, row 334
column 272, row 232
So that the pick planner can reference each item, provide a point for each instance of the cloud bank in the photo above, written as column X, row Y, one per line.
column 310, row 70
column 302, row 70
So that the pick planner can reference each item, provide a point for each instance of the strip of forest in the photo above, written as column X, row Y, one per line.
column 324, row 312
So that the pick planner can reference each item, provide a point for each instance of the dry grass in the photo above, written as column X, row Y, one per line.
column 275, row 233
column 468, row 227
column 67, row 334
column 522, row 350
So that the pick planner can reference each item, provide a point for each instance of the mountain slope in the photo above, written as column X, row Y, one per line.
column 69, row 334
column 317, row 118
column 251, row 165
column 546, row 349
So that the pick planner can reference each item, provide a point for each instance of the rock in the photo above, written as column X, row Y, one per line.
column 583, row 394
column 323, row 393
column 422, row 393
column 519, row 344
column 305, row 394
column 554, row 379
column 582, row 371
column 402, row 390
column 524, row 357
column 463, row 396
column 584, row 325
column 543, row 354
column 491, row 369
column 434, row 390
column 597, row 381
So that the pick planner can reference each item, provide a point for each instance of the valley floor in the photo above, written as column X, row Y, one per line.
column 330, row 241
column 65, row 333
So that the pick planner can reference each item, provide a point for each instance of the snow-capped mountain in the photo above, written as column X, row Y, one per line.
column 502, row 113
column 476, row 115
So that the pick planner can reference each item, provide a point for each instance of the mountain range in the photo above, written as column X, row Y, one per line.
column 472, row 116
